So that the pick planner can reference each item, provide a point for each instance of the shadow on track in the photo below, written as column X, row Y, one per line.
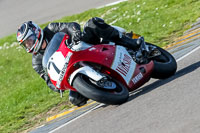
column 158, row 83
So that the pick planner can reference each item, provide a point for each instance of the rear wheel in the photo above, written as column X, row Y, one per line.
column 164, row 65
column 117, row 95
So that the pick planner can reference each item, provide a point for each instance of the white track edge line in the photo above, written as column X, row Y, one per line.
column 179, row 59
column 76, row 118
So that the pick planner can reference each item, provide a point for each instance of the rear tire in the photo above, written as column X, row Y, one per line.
column 83, row 85
column 164, row 65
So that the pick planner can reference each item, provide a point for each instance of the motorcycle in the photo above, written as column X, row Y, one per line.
column 105, row 73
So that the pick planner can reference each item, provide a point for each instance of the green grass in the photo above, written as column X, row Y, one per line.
column 23, row 95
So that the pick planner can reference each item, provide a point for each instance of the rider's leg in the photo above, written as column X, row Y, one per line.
column 96, row 28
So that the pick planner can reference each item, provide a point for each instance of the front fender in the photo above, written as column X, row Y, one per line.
column 88, row 71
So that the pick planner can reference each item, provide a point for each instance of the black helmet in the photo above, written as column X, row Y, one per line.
column 30, row 36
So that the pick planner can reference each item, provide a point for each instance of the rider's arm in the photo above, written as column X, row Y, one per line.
column 37, row 66
column 73, row 29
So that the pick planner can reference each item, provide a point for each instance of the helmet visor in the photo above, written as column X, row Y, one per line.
column 28, row 44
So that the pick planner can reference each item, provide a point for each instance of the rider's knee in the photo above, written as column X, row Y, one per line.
column 96, row 23
column 77, row 99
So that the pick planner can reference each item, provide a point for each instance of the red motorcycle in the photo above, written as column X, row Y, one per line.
column 104, row 73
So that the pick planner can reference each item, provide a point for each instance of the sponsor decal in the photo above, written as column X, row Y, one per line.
column 124, row 66
column 57, row 66
column 137, row 78
column 64, row 69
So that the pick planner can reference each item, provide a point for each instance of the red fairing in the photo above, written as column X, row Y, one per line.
column 109, row 57
column 141, row 75
column 100, row 54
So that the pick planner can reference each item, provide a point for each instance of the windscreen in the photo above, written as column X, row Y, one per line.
column 52, row 47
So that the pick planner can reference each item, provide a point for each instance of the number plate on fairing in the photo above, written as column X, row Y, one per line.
column 57, row 66
column 123, row 64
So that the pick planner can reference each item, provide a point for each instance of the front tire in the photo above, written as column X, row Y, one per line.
column 164, row 65
column 83, row 85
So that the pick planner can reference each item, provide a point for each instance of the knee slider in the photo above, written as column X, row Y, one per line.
column 77, row 99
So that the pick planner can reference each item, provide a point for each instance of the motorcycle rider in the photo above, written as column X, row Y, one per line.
column 96, row 31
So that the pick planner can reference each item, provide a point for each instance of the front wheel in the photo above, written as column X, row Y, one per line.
column 164, row 65
column 87, row 88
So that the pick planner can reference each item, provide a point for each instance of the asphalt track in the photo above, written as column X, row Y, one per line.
column 14, row 12
column 161, row 106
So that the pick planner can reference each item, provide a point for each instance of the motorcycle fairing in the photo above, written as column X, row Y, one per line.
column 133, row 74
column 123, row 64
column 141, row 75
column 55, row 65
column 114, row 58
column 100, row 54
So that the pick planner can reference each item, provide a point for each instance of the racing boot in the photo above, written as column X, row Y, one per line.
column 130, row 43
column 122, row 39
